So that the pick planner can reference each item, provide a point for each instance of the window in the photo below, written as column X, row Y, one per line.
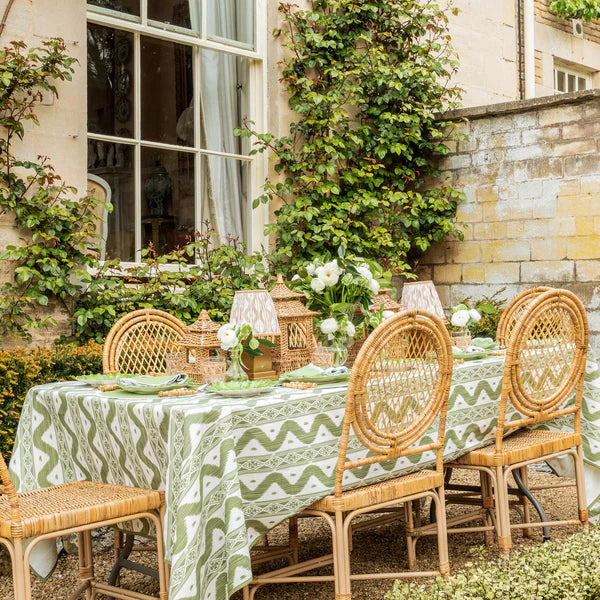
column 168, row 82
column 567, row 79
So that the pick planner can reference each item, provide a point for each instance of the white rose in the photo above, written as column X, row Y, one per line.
column 374, row 286
column 329, row 326
column 474, row 314
column 388, row 314
column 223, row 329
column 229, row 340
column 296, row 277
column 350, row 329
column 460, row 318
column 328, row 276
column 365, row 272
column 333, row 266
column 317, row 285
column 310, row 269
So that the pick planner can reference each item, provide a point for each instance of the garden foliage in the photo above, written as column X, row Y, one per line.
column 367, row 82
column 576, row 9
column 21, row 369
column 565, row 570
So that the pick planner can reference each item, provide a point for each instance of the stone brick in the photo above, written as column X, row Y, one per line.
column 473, row 273
column 524, row 152
column 559, row 115
column 487, row 157
column 590, row 185
column 570, row 187
column 507, row 272
column 457, row 161
column 545, row 134
column 576, row 130
column 487, row 193
column 579, row 206
column 547, row 271
column 582, row 165
column 577, row 147
column 435, row 255
column 562, row 226
column 584, row 226
column 553, row 248
column 586, row 270
column 463, row 252
column 469, row 212
column 490, row 231
column 584, row 247
column 544, row 168
column 500, row 140
column 447, row 273
column 536, row 228
column 510, row 250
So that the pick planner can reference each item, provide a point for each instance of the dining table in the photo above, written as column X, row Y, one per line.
column 234, row 468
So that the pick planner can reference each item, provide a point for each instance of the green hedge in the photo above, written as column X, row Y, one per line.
column 21, row 369
column 565, row 570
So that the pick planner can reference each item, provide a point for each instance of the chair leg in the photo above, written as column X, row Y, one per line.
column 503, row 511
column 163, row 575
column 487, row 499
column 117, row 549
column 411, row 541
column 342, row 573
column 86, row 562
column 293, row 538
column 580, row 483
column 21, row 586
column 442, row 533
column 527, row 533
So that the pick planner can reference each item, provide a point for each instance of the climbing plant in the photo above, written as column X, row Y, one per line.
column 367, row 82
column 576, row 9
column 58, row 229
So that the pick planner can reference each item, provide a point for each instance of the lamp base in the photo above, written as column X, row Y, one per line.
column 259, row 367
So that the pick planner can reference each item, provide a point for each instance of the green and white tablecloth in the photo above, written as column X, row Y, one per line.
column 233, row 469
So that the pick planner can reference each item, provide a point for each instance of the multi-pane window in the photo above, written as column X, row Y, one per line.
column 168, row 82
column 567, row 79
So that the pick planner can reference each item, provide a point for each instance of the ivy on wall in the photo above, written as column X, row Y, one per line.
column 576, row 9
column 367, row 81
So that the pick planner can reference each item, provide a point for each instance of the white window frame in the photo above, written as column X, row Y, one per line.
column 571, row 71
column 256, row 219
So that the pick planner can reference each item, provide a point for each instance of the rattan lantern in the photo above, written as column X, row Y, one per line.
column 199, row 344
column 296, row 342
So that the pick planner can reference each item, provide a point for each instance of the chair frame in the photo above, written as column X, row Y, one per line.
column 384, row 446
column 117, row 335
column 20, row 553
column 534, row 411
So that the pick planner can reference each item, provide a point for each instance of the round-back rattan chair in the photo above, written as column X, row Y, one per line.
column 138, row 342
column 399, row 387
column 513, row 311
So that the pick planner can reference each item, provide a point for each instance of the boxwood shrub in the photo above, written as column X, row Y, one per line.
column 564, row 570
column 22, row 368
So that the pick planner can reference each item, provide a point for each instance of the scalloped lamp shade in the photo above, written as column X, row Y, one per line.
column 423, row 295
column 256, row 308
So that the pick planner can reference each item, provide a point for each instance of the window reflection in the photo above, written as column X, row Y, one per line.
column 231, row 20
column 168, row 212
column 172, row 12
column 110, row 81
column 167, row 92
column 130, row 7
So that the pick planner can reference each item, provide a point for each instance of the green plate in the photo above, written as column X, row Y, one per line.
column 485, row 343
column 100, row 379
column 149, row 384
column 319, row 379
column 470, row 355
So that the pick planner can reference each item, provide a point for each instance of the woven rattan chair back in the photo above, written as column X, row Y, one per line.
column 513, row 311
column 399, row 385
column 7, row 488
column 545, row 361
column 139, row 341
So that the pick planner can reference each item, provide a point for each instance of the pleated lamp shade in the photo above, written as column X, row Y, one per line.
column 256, row 308
column 423, row 295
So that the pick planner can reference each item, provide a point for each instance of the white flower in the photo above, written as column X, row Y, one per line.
column 229, row 340
column 296, row 277
column 328, row 276
column 223, row 329
column 333, row 266
column 350, row 329
column 388, row 314
column 374, row 286
column 474, row 314
column 365, row 272
column 317, row 285
column 310, row 269
column 329, row 326
column 460, row 318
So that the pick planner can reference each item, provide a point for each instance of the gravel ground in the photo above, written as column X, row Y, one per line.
column 381, row 549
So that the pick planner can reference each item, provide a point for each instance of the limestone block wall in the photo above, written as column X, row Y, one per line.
column 531, row 175
column 62, row 134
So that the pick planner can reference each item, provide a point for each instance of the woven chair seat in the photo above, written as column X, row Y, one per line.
column 391, row 489
column 74, row 504
column 521, row 446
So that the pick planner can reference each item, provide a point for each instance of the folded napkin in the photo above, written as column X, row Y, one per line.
column 486, row 343
column 307, row 371
column 152, row 381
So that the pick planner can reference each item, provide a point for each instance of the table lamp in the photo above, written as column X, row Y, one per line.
column 256, row 308
column 423, row 295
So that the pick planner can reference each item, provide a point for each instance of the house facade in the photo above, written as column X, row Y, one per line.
column 161, row 85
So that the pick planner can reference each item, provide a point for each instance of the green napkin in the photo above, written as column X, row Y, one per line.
column 307, row 371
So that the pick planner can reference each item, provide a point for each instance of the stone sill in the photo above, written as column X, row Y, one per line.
column 518, row 106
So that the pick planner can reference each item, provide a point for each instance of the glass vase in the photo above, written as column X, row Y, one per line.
column 236, row 372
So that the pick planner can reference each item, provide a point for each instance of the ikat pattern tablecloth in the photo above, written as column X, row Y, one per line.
column 233, row 469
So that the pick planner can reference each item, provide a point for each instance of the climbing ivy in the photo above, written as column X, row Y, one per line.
column 576, row 9
column 367, row 82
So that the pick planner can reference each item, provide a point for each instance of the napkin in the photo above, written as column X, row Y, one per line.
column 151, row 381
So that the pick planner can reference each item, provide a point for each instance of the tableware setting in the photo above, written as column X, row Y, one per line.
column 150, row 384
column 242, row 389
column 99, row 379
column 313, row 374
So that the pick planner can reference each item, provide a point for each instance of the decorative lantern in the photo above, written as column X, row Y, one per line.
column 200, row 345
column 256, row 308
column 423, row 295
column 296, row 343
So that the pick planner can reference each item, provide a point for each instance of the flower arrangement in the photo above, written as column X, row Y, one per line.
column 463, row 316
column 336, row 289
column 237, row 338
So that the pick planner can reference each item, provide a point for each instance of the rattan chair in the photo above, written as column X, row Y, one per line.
column 545, row 366
column 513, row 311
column 138, row 342
column 398, row 388
column 77, row 508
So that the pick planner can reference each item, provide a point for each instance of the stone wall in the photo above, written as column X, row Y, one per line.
column 531, row 175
